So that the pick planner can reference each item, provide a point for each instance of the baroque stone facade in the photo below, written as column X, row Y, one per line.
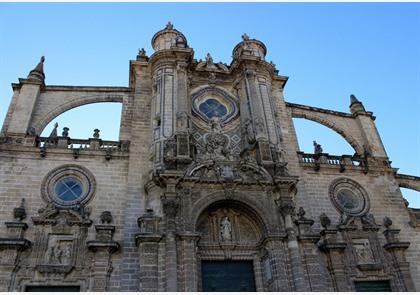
column 206, row 176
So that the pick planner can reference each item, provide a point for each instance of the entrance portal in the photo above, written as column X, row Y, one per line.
column 228, row 276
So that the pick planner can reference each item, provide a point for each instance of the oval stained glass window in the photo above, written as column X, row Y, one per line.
column 212, row 108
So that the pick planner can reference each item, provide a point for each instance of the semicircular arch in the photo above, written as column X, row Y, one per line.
column 239, row 200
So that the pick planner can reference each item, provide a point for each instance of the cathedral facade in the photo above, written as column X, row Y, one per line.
column 206, row 189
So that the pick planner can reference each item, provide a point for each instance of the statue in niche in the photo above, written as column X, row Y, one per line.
column 249, row 131
column 363, row 251
column 226, row 229
column 182, row 121
column 259, row 126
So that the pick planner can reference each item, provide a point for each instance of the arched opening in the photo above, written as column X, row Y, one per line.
column 229, row 251
column 412, row 196
column 308, row 131
column 81, row 121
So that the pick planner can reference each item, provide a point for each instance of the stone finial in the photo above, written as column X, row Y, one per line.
column 65, row 132
column 301, row 213
column 37, row 74
column 106, row 217
column 142, row 55
column 353, row 99
column 325, row 220
column 317, row 148
column 19, row 213
column 53, row 133
column 209, row 59
column 245, row 37
column 169, row 26
column 142, row 52
column 356, row 105
column 387, row 222
column 96, row 133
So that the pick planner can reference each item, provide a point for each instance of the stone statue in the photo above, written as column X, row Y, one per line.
column 66, row 254
column 58, row 254
column 317, row 148
column 96, row 133
column 169, row 26
column 259, row 126
column 249, row 131
column 325, row 220
column 209, row 59
column 226, row 229
column 182, row 121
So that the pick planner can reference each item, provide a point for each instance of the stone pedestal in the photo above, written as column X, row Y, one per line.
column 10, row 250
column 396, row 251
column 188, row 244
column 103, row 247
column 333, row 246
column 170, row 203
column 147, row 242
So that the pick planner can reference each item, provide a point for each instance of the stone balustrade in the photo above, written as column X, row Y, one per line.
column 82, row 144
column 327, row 160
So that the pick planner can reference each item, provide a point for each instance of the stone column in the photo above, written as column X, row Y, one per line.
column 277, row 258
column 182, row 114
column 148, row 245
column 333, row 246
column 396, row 250
column 257, row 114
column 170, row 203
column 299, row 276
column 188, row 260
column 103, row 247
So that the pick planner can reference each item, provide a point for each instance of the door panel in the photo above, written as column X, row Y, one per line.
column 52, row 289
column 228, row 276
column 373, row 286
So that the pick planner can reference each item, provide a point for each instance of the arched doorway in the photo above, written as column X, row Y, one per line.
column 231, row 248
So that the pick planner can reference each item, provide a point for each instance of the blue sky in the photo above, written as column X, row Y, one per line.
column 329, row 51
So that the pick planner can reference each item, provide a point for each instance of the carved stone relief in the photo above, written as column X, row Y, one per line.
column 59, row 250
column 364, row 254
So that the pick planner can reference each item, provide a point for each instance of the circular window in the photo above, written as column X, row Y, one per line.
column 68, row 186
column 349, row 197
column 68, row 189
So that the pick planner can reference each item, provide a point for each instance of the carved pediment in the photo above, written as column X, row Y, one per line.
column 65, row 217
column 229, row 172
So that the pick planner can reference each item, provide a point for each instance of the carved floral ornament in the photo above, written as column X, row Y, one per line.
column 212, row 102
column 349, row 197
column 68, row 186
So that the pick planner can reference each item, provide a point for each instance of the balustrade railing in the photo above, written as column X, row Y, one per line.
column 82, row 144
column 332, row 160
